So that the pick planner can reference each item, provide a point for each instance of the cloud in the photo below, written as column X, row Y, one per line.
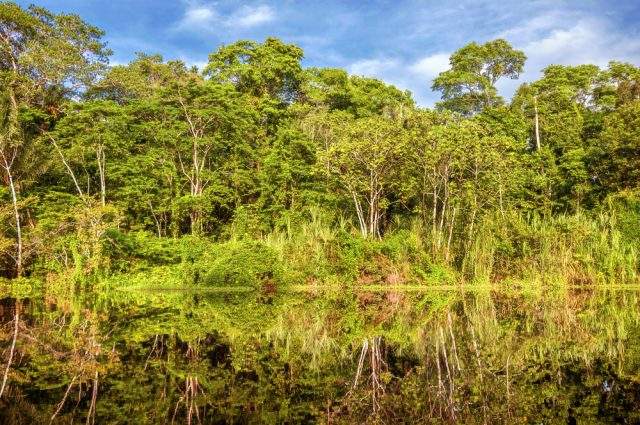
column 549, row 32
column 373, row 67
column 430, row 66
column 547, row 39
column 248, row 16
column 200, row 17
column 414, row 76
column 587, row 41
column 538, row 26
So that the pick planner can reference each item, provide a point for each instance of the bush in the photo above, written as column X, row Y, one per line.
column 240, row 263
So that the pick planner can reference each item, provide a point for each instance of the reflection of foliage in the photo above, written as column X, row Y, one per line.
column 297, row 357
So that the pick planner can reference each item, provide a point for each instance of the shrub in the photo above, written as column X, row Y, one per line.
column 240, row 263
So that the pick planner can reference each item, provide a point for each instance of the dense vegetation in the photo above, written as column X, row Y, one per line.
column 257, row 171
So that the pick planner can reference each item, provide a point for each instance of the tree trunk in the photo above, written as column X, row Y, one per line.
column 372, row 204
column 101, row 170
column 16, row 212
column 14, row 200
column 434, row 219
column 359, row 212
column 535, row 108
column 451, row 223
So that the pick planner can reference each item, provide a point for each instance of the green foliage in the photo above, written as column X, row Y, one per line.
column 569, row 249
column 268, row 69
column 617, row 150
column 469, row 86
column 256, row 162
column 241, row 263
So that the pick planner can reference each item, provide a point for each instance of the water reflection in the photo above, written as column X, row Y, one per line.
column 325, row 356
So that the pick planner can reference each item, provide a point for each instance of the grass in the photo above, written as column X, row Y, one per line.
column 510, row 250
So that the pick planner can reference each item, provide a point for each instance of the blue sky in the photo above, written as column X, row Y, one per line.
column 403, row 42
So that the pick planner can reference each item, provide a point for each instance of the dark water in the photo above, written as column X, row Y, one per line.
column 567, row 356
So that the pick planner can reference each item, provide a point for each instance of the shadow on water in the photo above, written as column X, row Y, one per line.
column 325, row 355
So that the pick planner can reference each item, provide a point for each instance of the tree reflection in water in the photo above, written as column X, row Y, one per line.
column 301, row 357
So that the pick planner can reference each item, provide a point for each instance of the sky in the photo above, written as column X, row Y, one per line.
column 403, row 42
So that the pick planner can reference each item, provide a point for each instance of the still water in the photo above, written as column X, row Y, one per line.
column 322, row 356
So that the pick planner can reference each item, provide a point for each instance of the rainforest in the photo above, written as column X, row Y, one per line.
column 258, row 241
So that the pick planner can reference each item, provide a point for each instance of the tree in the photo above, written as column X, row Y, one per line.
column 468, row 86
column 563, row 102
column 269, row 69
column 202, row 123
column 334, row 90
column 43, row 57
column 617, row 151
column 90, row 133
column 454, row 171
column 364, row 161
column 140, row 79
column 287, row 179
column 618, row 85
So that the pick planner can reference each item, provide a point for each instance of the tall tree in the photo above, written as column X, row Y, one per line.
column 43, row 57
column 563, row 101
column 333, row 89
column 469, row 86
column 617, row 151
column 364, row 161
column 269, row 69
column 203, row 124
column 90, row 133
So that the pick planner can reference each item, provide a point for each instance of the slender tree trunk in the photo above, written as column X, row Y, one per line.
column 64, row 399
column 14, row 200
column 444, row 207
column 434, row 218
column 155, row 218
column 451, row 223
column 196, row 184
column 360, row 214
column 91, row 414
column 7, row 166
column 373, row 205
column 101, row 170
column 535, row 108
column 373, row 213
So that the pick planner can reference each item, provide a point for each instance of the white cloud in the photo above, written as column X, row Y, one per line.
column 558, row 36
column 200, row 64
column 198, row 16
column 248, row 16
column 586, row 41
column 373, row 67
column 548, row 32
column 406, row 75
column 202, row 17
column 430, row 66
column 538, row 26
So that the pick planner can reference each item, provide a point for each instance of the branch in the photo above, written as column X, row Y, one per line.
column 66, row 164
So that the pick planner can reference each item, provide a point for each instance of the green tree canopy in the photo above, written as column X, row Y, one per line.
column 468, row 86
